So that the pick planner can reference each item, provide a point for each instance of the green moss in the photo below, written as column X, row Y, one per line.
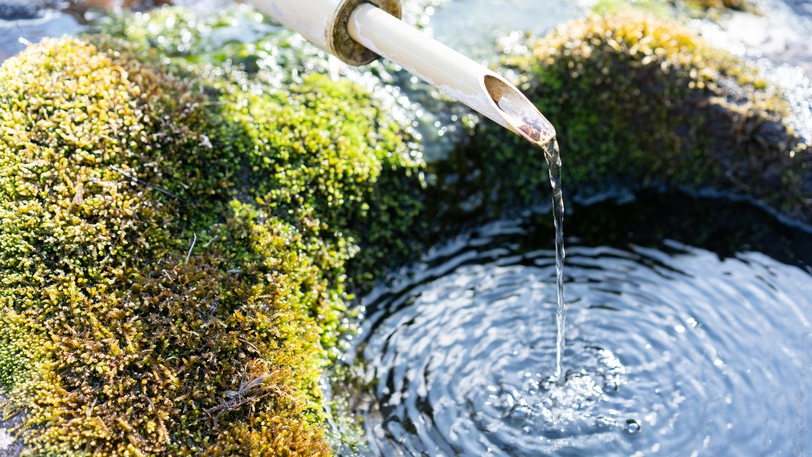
column 639, row 101
column 681, row 8
column 656, row 7
column 286, row 91
column 238, row 36
column 722, row 5
column 304, row 160
column 606, row 77
column 175, row 247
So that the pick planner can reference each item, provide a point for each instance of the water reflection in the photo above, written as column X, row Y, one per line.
column 673, row 350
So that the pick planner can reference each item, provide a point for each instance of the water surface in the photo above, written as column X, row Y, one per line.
column 673, row 350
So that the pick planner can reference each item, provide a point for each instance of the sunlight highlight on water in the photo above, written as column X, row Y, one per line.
column 672, row 349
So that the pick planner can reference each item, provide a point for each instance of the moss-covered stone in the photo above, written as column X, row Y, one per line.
column 639, row 101
column 238, row 36
column 174, row 249
column 680, row 8
column 721, row 5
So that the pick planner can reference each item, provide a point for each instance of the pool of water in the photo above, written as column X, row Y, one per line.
column 671, row 350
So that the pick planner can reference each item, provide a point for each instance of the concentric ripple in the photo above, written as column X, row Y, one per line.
column 668, row 353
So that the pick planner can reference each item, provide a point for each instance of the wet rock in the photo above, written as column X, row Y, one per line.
column 779, row 34
column 11, row 10
column 772, row 134
column 9, row 447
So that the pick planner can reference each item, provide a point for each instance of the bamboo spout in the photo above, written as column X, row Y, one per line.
column 458, row 76
column 380, row 33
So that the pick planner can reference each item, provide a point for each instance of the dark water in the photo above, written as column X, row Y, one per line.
column 671, row 350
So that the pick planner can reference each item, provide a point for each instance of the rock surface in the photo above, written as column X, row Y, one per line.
column 19, row 9
column 9, row 447
column 780, row 34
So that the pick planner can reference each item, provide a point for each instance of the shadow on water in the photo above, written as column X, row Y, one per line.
column 718, row 225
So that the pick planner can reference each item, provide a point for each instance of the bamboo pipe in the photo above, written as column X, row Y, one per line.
column 324, row 23
column 357, row 31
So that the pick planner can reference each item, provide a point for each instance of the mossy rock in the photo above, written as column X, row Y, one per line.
column 643, row 102
column 722, row 5
column 238, row 36
column 175, row 249
column 712, row 9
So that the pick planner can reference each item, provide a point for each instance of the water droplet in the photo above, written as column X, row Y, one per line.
column 611, row 386
column 549, row 383
column 633, row 427
column 604, row 422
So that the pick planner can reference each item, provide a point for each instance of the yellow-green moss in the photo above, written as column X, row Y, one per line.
column 644, row 92
column 721, row 5
column 237, row 35
column 689, row 8
column 174, row 249
column 640, row 101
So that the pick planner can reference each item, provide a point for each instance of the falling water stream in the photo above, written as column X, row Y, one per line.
column 553, row 157
column 531, row 124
